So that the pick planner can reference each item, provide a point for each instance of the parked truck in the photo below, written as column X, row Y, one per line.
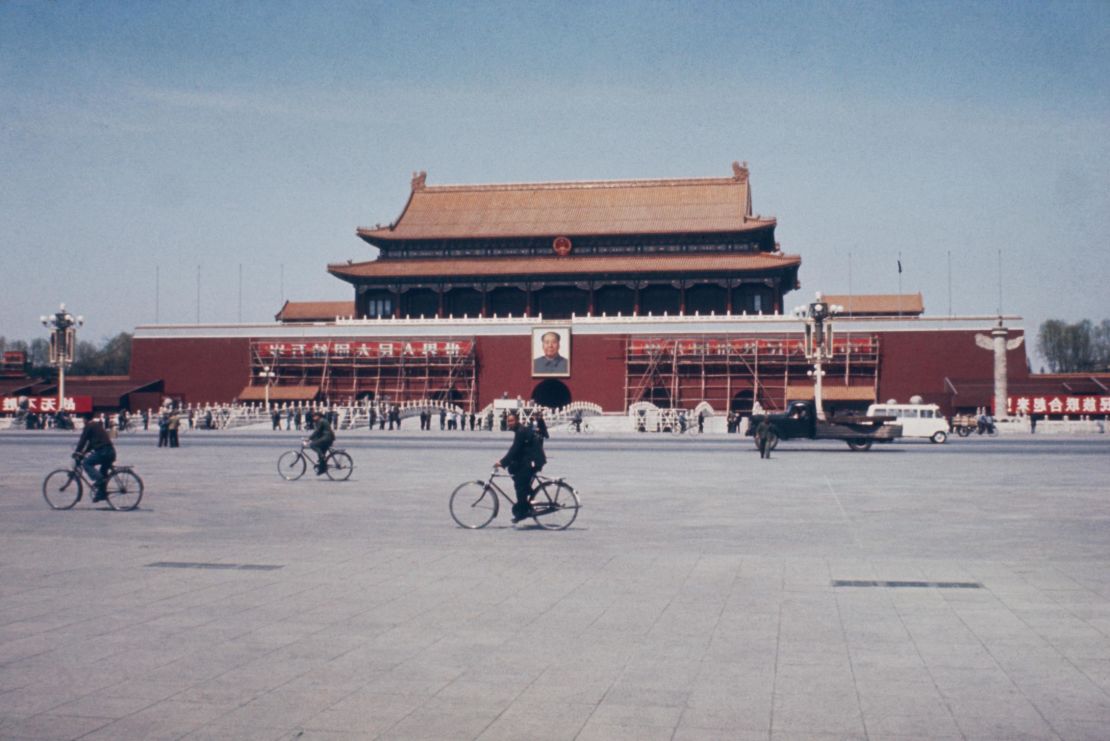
column 800, row 421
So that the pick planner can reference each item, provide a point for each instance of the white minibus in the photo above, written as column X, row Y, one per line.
column 917, row 420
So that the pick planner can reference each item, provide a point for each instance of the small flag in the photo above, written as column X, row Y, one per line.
column 899, row 267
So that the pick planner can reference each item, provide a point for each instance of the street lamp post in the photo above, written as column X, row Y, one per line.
column 63, row 345
column 818, row 316
column 268, row 375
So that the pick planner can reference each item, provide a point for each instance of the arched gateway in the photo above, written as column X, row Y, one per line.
column 551, row 393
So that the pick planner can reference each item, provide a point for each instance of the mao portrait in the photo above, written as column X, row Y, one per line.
column 551, row 351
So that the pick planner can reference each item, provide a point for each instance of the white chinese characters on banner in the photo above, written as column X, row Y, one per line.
column 376, row 349
column 1060, row 405
column 45, row 404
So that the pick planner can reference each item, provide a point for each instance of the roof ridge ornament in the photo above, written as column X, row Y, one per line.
column 418, row 180
column 740, row 171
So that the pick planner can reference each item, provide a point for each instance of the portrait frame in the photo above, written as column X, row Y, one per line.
column 542, row 366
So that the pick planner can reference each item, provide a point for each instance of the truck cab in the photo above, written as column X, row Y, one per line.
column 798, row 420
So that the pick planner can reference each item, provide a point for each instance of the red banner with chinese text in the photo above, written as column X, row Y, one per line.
column 691, row 346
column 45, row 404
column 361, row 349
column 1057, row 404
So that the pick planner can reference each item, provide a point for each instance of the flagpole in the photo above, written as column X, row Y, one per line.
column 1000, row 283
column 949, row 282
column 899, row 282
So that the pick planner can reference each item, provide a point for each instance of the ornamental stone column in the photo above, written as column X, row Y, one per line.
column 998, row 342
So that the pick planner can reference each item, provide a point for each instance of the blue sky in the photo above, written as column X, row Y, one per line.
column 139, row 138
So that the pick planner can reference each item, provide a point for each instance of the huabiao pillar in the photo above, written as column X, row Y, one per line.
column 998, row 342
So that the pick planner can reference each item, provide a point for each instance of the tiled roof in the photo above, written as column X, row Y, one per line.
column 804, row 392
column 279, row 393
column 106, row 391
column 18, row 386
column 1041, row 384
column 314, row 311
column 709, row 205
column 879, row 304
column 479, row 267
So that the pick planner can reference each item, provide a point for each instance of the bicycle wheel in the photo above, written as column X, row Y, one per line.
column 473, row 505
column 556, row 505
column 291, row 465
column 62, row 488
column 340, row 465
column 124, row 490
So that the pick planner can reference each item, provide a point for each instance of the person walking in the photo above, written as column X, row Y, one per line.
column 173, row 425
column 164, row 429
column 766, row 437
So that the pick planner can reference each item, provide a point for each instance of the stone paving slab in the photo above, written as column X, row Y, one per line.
column 694, row 598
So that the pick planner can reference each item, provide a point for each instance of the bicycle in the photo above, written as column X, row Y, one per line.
column 582, row 428
column 678, row 429
column 293, row 463
column 64, row 487
column 474, row 504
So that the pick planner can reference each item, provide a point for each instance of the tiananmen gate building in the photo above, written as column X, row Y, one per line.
column 671, row 292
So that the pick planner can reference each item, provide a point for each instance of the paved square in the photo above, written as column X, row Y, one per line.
column 694, row 597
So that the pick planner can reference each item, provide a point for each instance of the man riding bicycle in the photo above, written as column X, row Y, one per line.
column 95, row 450
column 321, row 441
column 524, row 458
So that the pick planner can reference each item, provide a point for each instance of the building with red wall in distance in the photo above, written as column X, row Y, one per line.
column 671, row 292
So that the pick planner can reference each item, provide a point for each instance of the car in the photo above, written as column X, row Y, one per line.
column 917, row 420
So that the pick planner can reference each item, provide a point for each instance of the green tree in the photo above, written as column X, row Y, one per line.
column 1101, row 337
column 112, row 358
column 1074, row 348
column 116, row 355
column 39, row 353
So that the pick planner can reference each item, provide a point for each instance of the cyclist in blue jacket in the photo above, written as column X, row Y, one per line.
column 96, row 451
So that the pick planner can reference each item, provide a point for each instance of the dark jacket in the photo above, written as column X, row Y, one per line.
column 525, row 453
column 322, row 434
column 94, row 437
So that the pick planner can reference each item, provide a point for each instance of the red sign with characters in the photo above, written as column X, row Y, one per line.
column 46, row 404
column 376, row 349
column 1057, row 404
column 727, row 346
